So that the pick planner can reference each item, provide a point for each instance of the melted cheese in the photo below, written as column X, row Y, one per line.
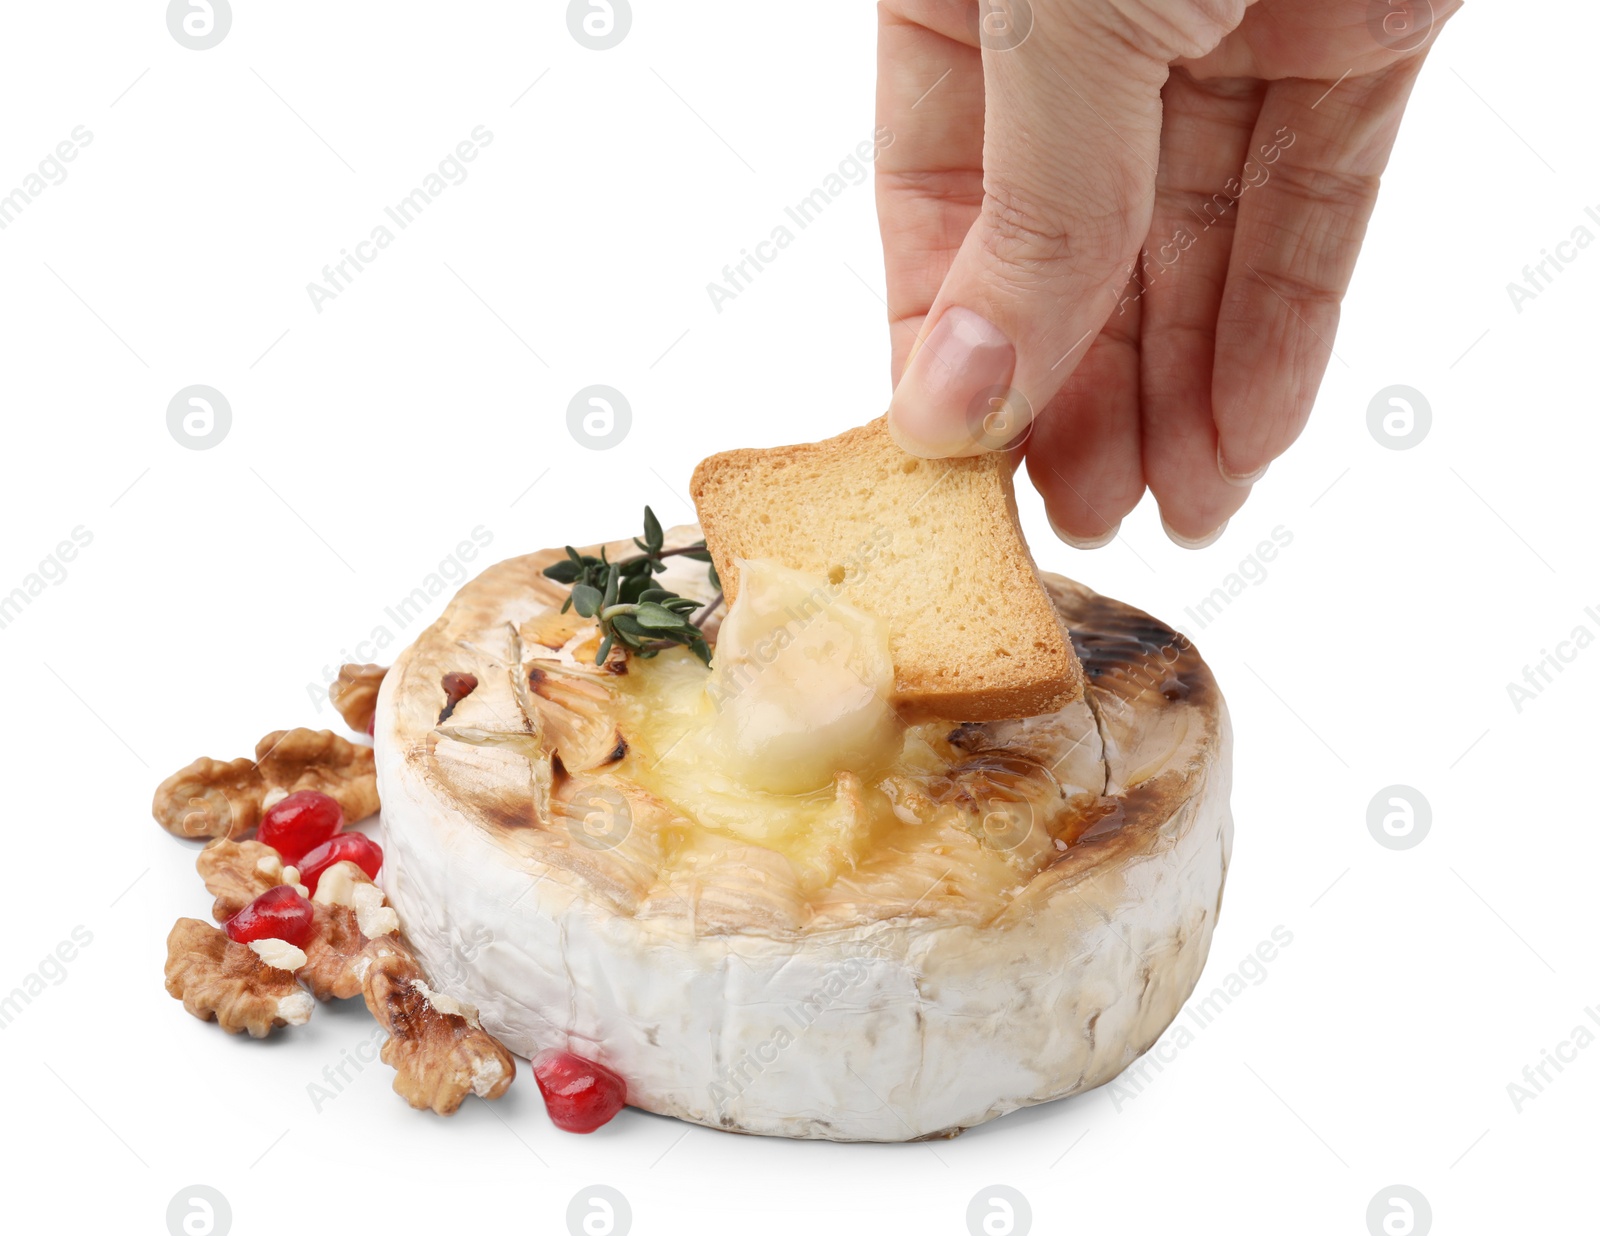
column 755, row 749
column 800, row 685
column 790, row 743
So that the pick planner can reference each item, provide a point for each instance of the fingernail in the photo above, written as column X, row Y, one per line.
column 1200, row 542
column 963, row 358
column 1090, row 542
column 1240, row 480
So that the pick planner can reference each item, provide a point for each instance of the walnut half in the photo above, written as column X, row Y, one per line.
column 236, row 873
column 217, row 978
column 213, row 798
column 335, row 960
column 355, row 694
column 350, row 911
column 438, row 1050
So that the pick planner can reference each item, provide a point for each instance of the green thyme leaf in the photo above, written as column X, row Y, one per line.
column 631, row 607
column 656, row 617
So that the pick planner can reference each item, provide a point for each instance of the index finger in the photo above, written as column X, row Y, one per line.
column 929, row 180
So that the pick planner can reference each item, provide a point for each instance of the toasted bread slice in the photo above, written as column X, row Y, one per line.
column 932, row 547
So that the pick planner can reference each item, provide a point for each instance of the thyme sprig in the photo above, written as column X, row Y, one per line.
column 622, row 597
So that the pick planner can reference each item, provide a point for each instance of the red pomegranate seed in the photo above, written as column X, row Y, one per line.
column 295, row 825
column 280, row 913
column 457, row 686
column 579, row 1094
column 356, row 848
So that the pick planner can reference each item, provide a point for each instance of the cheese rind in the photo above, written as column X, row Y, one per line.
column 725, row 996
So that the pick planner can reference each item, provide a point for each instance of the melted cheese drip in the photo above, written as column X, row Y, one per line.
column 790, row 743
column 798, row 695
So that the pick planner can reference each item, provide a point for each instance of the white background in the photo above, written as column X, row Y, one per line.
column 430, row 398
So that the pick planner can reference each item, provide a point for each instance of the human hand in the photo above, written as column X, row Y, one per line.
column 1139, row 220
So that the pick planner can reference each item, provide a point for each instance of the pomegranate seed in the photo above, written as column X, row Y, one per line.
column 457, row 686
column 356, row 848
column 280, row 913
column 579, row 1094
column 295, row 825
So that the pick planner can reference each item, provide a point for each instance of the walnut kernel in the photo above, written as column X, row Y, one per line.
column 214, row 798
column 355, row 694
column 217, row 978
column 438, row 1050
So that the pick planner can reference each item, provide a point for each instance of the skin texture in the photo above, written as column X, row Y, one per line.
column 1145, row 216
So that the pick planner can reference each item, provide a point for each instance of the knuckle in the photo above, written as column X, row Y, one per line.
column 1037, row 233
column 1168, row 30
column 1018, row 222
column 1346, row 193
column 1301, row 290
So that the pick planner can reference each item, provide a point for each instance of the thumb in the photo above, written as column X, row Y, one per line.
column 1072, row 119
